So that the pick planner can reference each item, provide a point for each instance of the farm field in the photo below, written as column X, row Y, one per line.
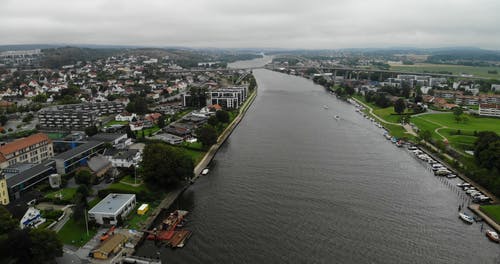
column 476, row 71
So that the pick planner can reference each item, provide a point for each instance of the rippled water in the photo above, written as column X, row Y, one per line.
column 295, row 185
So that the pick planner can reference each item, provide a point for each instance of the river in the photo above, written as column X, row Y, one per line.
column 294, row 185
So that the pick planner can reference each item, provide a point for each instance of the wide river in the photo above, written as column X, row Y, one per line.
column 295, row 185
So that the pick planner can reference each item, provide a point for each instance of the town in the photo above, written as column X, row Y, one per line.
column 84, row 144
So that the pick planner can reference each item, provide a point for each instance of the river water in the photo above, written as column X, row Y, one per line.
column 295, row 185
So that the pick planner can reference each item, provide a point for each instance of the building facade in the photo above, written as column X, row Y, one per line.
column 489, row 110
column 32, row 149
column 112, row 207
column 67, row 119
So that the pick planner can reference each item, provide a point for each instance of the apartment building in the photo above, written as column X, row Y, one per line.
column 55, row 119
column 489, row 110
column 232, row 97
column 32, row 149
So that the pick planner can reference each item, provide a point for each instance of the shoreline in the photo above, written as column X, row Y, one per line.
column 173, row 195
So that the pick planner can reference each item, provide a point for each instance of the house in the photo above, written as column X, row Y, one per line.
column 169, row 138
column 446, row 94
column 136, row 126
column 4, row 192
column 178, row 129
column 32, row 218
column 123, row 158
column 110, row 247
column 112, row 207
column 466, row 100
column 99, row 165
column 125, row 116
column 489, row 110
column 153, row 117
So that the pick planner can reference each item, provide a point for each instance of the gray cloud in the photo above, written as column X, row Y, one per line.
column 256, row 23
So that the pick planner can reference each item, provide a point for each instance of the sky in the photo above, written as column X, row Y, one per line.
column 311, row 24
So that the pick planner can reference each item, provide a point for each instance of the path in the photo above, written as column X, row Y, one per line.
column 408, row 128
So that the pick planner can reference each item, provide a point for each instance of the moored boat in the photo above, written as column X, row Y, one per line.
column 466, row 218
column 204, row 172
column 493, row 236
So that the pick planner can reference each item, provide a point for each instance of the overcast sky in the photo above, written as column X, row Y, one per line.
column 307, row 24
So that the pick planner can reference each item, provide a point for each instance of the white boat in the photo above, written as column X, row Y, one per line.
column 337, row 117
column 492, row 235
column 325, row 106
column 451, row 176
column 204, row 172
column 466, row 218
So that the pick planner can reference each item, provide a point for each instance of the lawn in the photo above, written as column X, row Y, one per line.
column 455, row 69
column 114, row 122
column 195, row 155
column 388, row 114
column 130, row 179
column 194, row 146
column 148, row 131
column 492, row 211
column 67, row 194
column 127, row 188
column 466, row 138
column 75, row 234
column 134, row 220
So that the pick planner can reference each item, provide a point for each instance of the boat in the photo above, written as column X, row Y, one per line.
column 107, row 234
column 337, row 117
column 325, row 106
column 451, row 176
column 493, row 236
column 204, row 172
column 394, row 140
column 463, row 184
column 412, row 147
column 466, row 218
column 399, row 144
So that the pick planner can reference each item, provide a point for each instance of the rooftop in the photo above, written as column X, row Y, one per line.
column 112, row 203
column 27, row 173
column 80, row 149
column 23, row 143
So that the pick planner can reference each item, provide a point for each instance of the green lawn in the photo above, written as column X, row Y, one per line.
column 75, row 234
column 388, row 114
column 455, row 69
column 114, row 122
column 194, row 146
column 93, row 202
column 127, row 188
column 466, row 139
column 67, row 194
column 195, row 155
column 134, row 220
column 148, row 131
column 492, row 211
column 130, row 179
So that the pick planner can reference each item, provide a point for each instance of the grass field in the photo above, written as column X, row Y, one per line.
column 114, row 122
column 127, row 188
column 67, row 194
column 388, row 114
column 492, row 211
column 476, row 71
column 195, row 155
column 75, row 234
column 448, row 127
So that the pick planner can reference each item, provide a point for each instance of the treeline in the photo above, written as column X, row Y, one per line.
column 486, row 171
column 57, row 57
column 471, row 57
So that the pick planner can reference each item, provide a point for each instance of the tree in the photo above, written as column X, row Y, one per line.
column 3, row 120
column 399, row 106
column 163, row 165
column 7, row 223
column 40, row 98
column 45, row 245
column 457, row 113
column 83, row 177
column 222, row 116
column 91, row 130
column 487, row 150
column 161, row 122
column 213, row 121
column 207, row 136
column 425, row 135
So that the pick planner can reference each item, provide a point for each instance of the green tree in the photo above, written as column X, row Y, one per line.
column 222, row 116
column 161, row 122
column 207, row 136
column 40, row 98
column 425, row 135
column 212, row 121
column 3, row 120
column 399, row 106
column 487, row 150
column 45, row 246
column 91, row 130
column 83, row 176
column 163, row 165
column 7, row 223
column 457, row 113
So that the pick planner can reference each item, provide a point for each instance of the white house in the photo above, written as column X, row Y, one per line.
column 112, row 207
column 125, row 116
column 124, row 158
column 32, row 218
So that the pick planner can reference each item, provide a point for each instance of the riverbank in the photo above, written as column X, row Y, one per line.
column 172, row 196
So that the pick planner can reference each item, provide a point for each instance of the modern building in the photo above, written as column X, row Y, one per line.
column 72, row 159
column 66, row 119
column 32, row 149
column 112, row 207
column 102, row 108
column 22, row 177
column 489, row 110
column 229, row 97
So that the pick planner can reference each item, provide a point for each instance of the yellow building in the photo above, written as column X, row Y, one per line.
column 110, row 247
column 4, row 193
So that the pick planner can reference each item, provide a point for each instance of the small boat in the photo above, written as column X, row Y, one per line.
column 399, row 144
column 337, row 117
column 394, row 140
column 325, row 106
column 466, row 218
column 493, row 236
column 451, row 176
column 412, row 147
column 204, row 172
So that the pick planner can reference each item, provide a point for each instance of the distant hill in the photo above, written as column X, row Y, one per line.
column 57, row 57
